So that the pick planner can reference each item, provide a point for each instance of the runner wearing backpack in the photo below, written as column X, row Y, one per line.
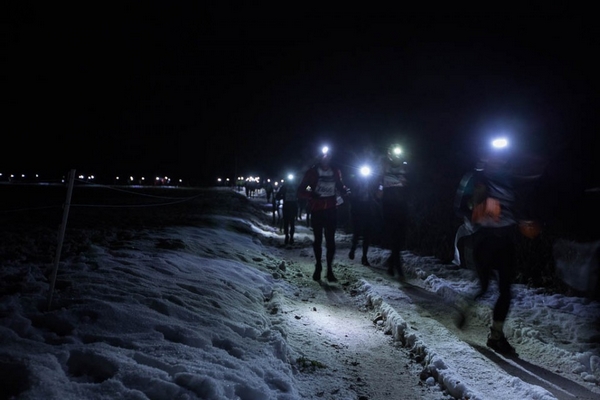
column 487, row 200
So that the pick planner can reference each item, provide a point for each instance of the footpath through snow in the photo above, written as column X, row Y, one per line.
column 198, row 298
column 556, row 337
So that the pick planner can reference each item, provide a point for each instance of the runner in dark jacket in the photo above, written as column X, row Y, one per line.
column 393, row 183
column 288, row 194
column 322, row 185
column 362, row 212
column 496, row 212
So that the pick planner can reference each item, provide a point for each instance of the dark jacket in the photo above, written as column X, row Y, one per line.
column 393, row 182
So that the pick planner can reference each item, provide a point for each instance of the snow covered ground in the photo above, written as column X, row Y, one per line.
column 219, row 308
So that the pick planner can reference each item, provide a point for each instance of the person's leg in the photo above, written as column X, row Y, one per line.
column 317, row 221
column 506, row 256
column 355, row 234
column 480, row 255
column 401, row 236
column 394, row 262
column 497, row 252
column 366, row 230
column 286, row 222
column 293, row 214
column 505, row 265
column 388, row 239
column 330, row 227
column 397, row 244
column 483, row 245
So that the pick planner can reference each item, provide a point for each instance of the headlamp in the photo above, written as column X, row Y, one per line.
column 395, row 151
column 500, row 143
column 365, row 170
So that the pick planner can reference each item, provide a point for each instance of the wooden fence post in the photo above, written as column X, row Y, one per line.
column 61, row 236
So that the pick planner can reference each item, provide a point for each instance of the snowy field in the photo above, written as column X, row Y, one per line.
column 190, row 294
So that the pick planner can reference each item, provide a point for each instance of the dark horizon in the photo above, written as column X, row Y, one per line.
column 218, row 91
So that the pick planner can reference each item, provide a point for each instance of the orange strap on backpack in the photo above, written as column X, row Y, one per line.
column 489, row 209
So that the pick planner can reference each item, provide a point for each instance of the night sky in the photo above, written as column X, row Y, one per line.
column 215, row 91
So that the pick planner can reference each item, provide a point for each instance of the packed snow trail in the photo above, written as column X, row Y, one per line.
column 419, row 315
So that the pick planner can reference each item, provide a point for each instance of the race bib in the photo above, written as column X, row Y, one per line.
column 326, row 183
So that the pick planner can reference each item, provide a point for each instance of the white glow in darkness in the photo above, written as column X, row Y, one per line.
column 500, row 143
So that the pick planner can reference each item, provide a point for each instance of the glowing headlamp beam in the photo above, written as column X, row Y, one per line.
column 499, row 143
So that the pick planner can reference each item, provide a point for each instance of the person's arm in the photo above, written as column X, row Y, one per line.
column 341, row 187
column 302, row 192
column 379, row 180
column 378, row 187
column 280, row 193
column 529, row 168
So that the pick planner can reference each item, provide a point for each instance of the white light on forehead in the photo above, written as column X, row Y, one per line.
column 365, row 171
column 397, row 151
column 500, row 143
column 290, row 177
column 325, row 149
